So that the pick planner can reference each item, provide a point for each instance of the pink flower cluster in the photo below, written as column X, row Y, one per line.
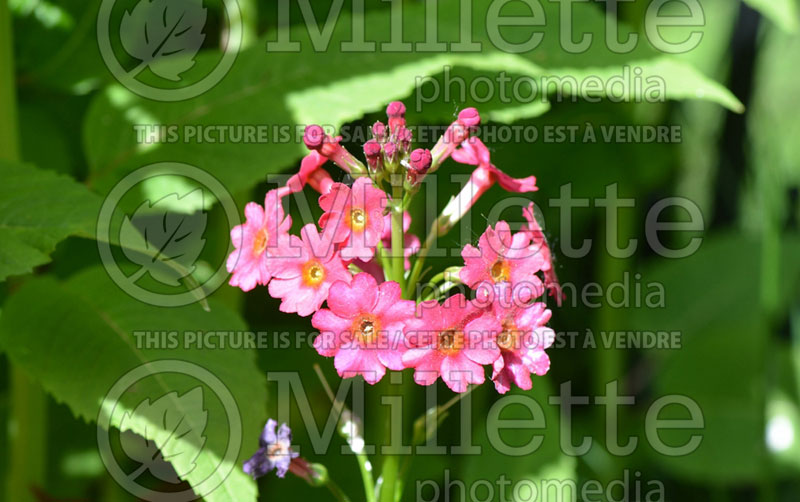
column 369, row 323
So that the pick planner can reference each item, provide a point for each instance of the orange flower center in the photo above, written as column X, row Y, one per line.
column 366, row 328
column 507, row 339
column 358, row 218
column 313, row 273
column 260, row 242
column 450, row 342
column 500, row 271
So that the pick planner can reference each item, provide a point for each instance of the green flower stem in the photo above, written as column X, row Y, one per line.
column 337, row 492
column 398, row 237
column 364, row 465
column 416, row 271
column 366, row 475
column 27, row 425
column 389, row 478
column 385, row 261
column 390, row 463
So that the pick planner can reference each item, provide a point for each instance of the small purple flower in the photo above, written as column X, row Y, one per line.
column 275, row 451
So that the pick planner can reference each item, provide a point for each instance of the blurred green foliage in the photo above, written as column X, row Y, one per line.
column 736, row 302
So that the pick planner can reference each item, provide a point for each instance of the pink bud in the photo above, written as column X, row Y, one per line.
column 389, row 149
column 457, row 133
column 313, row 137
column 420, row 160
column 404, row 136
column 372, row 148
column 378, row 130
column 469, row 117
column 396, row 109
column 396, row 112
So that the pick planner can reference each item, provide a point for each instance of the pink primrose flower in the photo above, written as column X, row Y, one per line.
column 354, row 216
column 452, row 340
column 362, row 328
column 305, row 273
column 256, row 241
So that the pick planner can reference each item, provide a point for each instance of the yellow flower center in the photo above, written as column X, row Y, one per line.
column 500, row 271
column 358, row 218
column 450, row 342
column 507, row 339
column 313, row 273
column 366, row 328
column 260, row 242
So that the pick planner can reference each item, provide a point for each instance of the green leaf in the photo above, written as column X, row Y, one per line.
column 56, row 45
column 87, row 342
column 37, row 210
column 783, row 13
column 712, row 300
column 774, row 126
column 274, row 94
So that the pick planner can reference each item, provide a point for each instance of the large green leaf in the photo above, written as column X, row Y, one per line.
column 87, row 342
column 289, row 90
column 712, row 300
column 37, row 210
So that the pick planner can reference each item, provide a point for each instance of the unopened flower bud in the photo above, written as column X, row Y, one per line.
column 379, row 130
column 389, row 150
column 396, row 109
column 469, row 117
column 372, row 151
column 313, row 137
column 404, row 137
column 420, row 160
column 397, row 113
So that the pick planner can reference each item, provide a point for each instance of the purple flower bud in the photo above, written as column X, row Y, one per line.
column 275, row 452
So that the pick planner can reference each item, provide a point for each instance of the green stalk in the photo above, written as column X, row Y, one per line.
column 389, row 462
column 389, row 478
column 398, row 237
column 27, row 402
column 9, row 137
column 611, row 360
column 366, row 476
column 416, row 271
